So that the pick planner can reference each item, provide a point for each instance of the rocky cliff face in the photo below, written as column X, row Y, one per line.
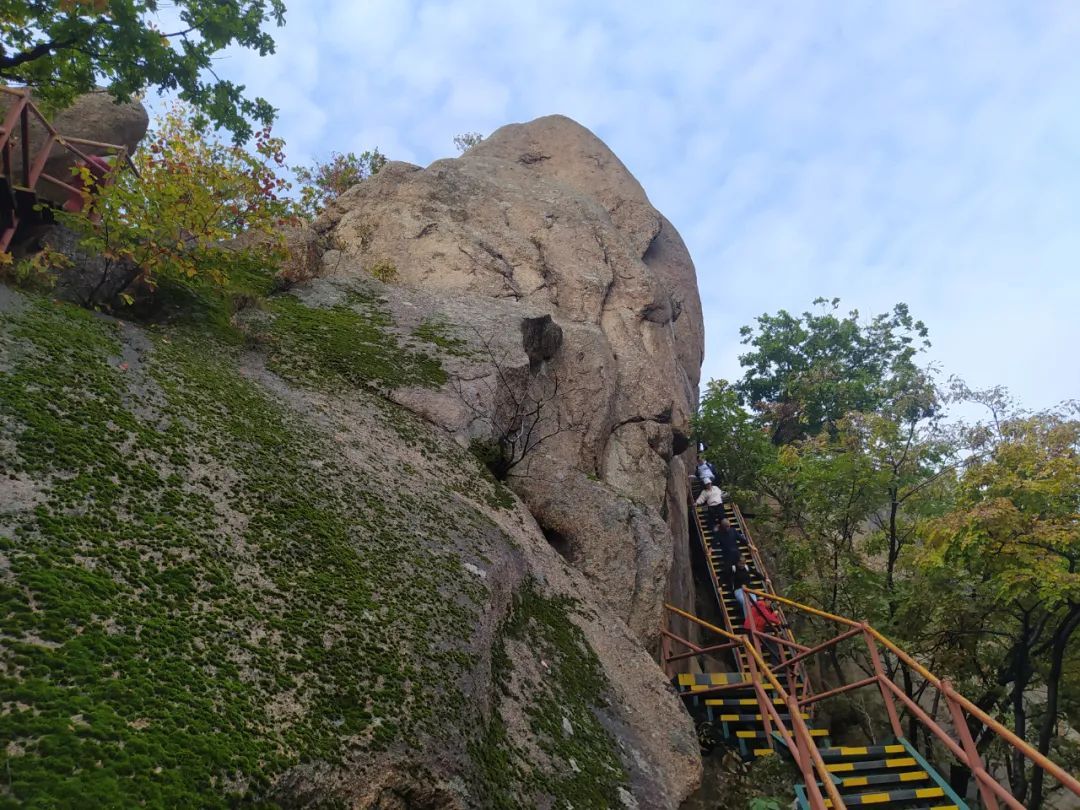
column 541, row 220
column 246, row 558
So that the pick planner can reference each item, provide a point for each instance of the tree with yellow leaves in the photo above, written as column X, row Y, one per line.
column 1009, row 551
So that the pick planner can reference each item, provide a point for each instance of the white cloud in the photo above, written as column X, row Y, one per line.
column 881, row 152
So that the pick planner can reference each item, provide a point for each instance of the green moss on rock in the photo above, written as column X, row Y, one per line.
column 562, row 707
column 344, row 346
column 203, row 597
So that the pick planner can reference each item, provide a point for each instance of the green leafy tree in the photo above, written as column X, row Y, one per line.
column 737, row 444
column 323, row 182
column 197, row 209
column 1011, row 548
column 845, row 489
column 803, row 374
column 62, row 48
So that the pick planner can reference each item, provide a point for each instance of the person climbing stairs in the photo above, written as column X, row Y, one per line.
column 727, row 708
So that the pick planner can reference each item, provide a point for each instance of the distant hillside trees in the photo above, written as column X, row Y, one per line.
column 62, row 48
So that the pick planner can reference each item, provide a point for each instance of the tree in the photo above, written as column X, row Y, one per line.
column 197, row 209
column 62, row 48
column 737, row 444
column 323, row 182
column 467, row 140
column 1011, row 543
column 805, row 373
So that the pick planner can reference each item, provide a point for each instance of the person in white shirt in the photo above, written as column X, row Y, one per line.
column 705, row 471
column 713, row 498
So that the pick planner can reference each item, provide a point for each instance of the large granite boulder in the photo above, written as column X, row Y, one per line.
column 542, row 220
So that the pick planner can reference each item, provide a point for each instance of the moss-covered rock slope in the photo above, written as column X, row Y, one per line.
column 234, row 573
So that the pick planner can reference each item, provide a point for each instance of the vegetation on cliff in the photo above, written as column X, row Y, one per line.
column 62, row 48
column 205, row 602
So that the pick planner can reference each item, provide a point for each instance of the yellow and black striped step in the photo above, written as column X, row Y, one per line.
column 870, row 765
column 854, row 751
column 753, row 718
column 747, row 734
column 890, row 796
column 884, row 779
column 742, row 701
column 707, row 679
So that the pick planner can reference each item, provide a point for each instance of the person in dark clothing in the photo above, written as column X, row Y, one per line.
column 726, row 541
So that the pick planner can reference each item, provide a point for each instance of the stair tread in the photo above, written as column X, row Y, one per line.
column 889, row 796
column 862, row 750
column 885, row 778
column 871, row 765
column 750, row 718
column 749, row 733
column 739, row 701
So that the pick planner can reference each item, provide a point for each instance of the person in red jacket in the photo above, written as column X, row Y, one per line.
column 761, row 619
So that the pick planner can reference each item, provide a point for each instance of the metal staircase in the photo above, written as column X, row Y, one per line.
column 22, row 168
column 759, row 703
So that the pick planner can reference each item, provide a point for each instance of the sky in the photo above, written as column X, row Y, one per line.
column 923, row 151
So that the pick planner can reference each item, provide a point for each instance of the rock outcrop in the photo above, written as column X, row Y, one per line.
column 243, row 576
column 542, row 221
column 256, row 562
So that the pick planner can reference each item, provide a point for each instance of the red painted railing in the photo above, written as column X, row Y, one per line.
column 800, row 744
column 958, row 740
column 15, row 140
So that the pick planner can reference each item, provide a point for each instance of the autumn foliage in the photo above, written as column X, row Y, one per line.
column 325, row 181
column 196, row 208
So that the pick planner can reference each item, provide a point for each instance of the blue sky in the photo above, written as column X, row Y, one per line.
column 920, row 151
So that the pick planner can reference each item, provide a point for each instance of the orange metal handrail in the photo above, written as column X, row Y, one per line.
column 959, row 707
column 800, row 744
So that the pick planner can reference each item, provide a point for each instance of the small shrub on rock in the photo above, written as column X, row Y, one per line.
column 323, row 182
column 384, row 270
column 196, row 208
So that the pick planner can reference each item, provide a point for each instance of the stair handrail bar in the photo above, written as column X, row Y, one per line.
column 801, row 745
column 25, row 106
column 990, row 789
column 34, row 170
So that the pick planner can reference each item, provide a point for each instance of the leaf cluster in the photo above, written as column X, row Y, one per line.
column 804, row 373
column 324, row 181
column 63, row 48
column 196, row 209
column 467, row 140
